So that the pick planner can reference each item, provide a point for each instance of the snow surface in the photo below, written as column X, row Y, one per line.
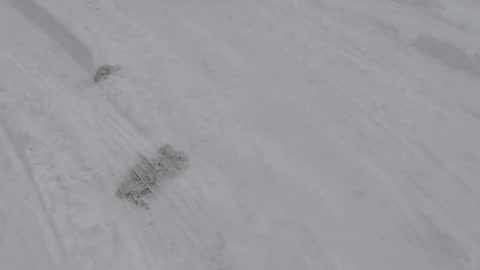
column 321, row 134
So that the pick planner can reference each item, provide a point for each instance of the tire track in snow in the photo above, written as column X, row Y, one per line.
column 69, row 42
column 360, row 57
column 78, row 109
column 391, row 134
column 119, row 122
column 118, row 125
column 55, row 244
column 402, row 138
column 349, row 52
column 118, row 119
column 113, row 133
column 122, row 130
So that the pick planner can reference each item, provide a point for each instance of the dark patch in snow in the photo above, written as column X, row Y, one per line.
column 104, row 71
column 148, row 173
column 448, row 54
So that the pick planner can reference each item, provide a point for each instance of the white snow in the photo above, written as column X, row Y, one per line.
column 320, row 134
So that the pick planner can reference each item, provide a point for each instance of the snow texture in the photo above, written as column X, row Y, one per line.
column 320, row 134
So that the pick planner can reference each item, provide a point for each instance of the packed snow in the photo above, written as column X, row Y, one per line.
column 319, row 134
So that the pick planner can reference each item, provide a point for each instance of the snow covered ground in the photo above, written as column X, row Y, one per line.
column 321, row 134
